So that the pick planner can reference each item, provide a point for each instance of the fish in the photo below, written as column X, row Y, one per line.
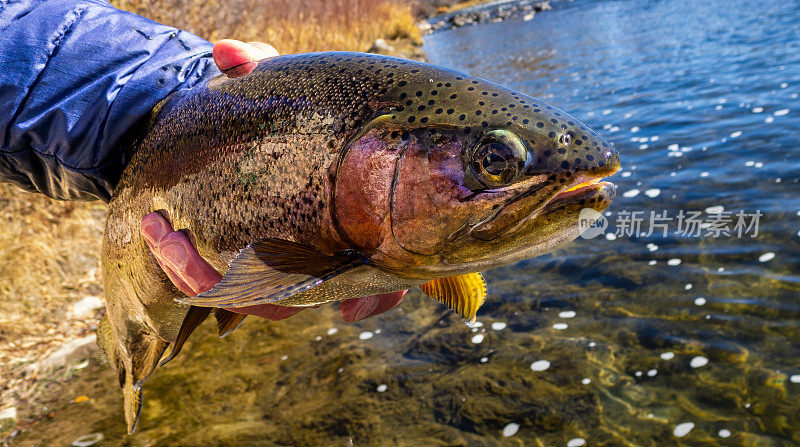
column 325, row 176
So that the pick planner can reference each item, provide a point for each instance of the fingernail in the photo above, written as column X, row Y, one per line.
column 175, row 256
column 367, row 307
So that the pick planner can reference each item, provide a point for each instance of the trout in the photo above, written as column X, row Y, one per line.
column 325, row 176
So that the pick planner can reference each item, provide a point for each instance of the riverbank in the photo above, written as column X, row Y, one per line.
column 50, row 279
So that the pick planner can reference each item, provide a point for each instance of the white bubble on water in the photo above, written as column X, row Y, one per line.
column 687, row 287
column 750, row 163
column 378, row 331
column 769, row 119
column 652, row 373
column 631, row 193
column 638, row 374
column 607, row 112
column 498, row 325
column 781, row 112
column 318, row 338
column 477, row 339
column 655, row 138
column 704, row 174
column 673, row 147
column 698, row 361
column 667, row 355
column 614, row 129
column 719, row 107
column 484, row 359
column 652, row 193
column 652, row 247
column 366, row 335
column 284, row 357
column 757, row 109
column 635, row 129
column 510, row 430
column 736, row 134
column 626, row 174
column 628, row 115
column 759, row 164
column 784, row 84
column 576, row 442
column 766, row 257
column 560, row 326
column 381, row 388
column 683, row 429
column 643, row 146
column 674, row 262
column 592, row 344
column 586, row 381
column 699, row 301
column 652, row 262
column 718, row 209
column 611, row 236
column 724, row 433
column 721, row 269
column 567, row 314
column 540, row 365
column 332, row 331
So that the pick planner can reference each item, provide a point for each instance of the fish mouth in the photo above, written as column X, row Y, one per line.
column 584, row 188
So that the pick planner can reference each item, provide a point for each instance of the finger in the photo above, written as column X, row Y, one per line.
column 268, row 311
column 178, row 253
column 267, row 49
column 154, row 227
column 236, row 58
column 356, row 309
column 176, row 280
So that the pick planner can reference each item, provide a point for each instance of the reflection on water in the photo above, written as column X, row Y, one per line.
column 622, row 339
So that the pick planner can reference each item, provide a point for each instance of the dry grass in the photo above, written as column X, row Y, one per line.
column 49, row 250
column 49, row 253
column 292, row 26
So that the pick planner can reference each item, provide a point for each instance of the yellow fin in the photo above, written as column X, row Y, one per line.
column 464, row 293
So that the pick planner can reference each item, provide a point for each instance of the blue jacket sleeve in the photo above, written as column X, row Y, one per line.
column 77, row 80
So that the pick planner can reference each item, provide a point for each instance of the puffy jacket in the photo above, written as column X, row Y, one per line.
column 77, row 80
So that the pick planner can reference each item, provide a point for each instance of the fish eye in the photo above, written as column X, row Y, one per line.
column 498, row 159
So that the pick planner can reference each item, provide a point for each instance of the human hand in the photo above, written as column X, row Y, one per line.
column 193, row 275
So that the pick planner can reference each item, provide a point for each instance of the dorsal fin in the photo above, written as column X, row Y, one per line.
column 463, row 293
column 227, row 321
column 271, row 270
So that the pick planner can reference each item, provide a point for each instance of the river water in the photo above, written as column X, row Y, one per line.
column 678, row 323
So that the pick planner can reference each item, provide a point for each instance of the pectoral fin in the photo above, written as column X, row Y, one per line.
column 193, row 318
column 227, row 321
column 132, row 398
column 271, row 270
column 464, row 293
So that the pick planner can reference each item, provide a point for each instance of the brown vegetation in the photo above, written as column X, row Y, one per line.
column 292, row 26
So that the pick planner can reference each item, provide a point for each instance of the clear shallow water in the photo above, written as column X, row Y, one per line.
column 592, row 343
column 701, row 100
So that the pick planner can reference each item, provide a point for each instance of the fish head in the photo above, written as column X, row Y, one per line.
column 458, row 174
